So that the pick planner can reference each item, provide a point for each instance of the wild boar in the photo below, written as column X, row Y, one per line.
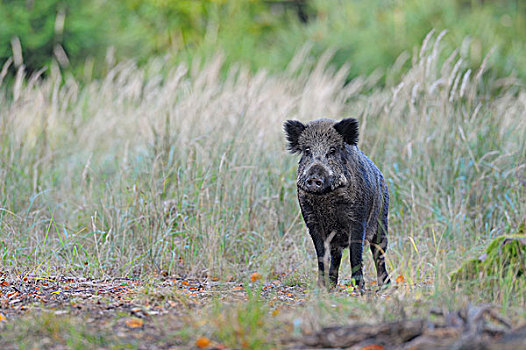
column 343, row 197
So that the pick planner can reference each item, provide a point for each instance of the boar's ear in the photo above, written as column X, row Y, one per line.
column 348, row 128
column 293, row 130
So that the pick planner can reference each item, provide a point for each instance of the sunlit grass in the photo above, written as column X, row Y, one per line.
column 175, row 170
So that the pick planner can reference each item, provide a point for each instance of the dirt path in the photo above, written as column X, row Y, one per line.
column 139, row 314
column 60, row 312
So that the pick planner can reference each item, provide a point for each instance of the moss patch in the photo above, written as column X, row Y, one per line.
column 501, row 266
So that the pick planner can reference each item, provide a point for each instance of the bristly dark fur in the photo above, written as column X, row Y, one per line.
column 348, row 128
column 343, row 197
column 293, row 130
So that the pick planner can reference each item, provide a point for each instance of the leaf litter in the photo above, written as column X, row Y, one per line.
column 134, row 310
column 149, row 313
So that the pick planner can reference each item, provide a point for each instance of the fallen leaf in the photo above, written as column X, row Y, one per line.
column 255, row 276
column 134, row 322
column 400, row 279
column 373, row 347
column 202, row 342
column 12, row 294
column 2, row 317
column 56, row 292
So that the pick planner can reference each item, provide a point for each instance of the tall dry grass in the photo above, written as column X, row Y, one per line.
column 182, row 171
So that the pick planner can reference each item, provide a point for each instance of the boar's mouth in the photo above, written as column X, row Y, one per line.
column 319, row 186
column 320, row 191
column 317, row 179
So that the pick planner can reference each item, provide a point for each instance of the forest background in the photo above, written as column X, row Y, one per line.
column 147, row 199
column 369, row 35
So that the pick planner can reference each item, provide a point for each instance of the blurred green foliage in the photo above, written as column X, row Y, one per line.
column 369, row 35
column 44, row 27
column 373, row 34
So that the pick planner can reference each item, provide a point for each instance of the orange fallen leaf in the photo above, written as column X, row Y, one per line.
column 12, row 294
column 400, row 279
column 2, row 317
column 134, row 322
column 275, row 312
column 373, row 347
column 238, row 287
column 255, row 276
column 290, row 295
column 373, row 283
column 4, row 284
column 202, row 342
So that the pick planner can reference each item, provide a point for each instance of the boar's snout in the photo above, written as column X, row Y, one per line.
column 314, row 183
column 316, row 180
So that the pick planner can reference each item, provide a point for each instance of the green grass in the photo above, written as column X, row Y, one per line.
column 49, row 331
column 244, row 325
column 174, row 170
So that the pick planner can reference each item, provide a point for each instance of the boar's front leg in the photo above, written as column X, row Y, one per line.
column 319, row 246
column 336, row 258
column 323, row 248
column 356, row 250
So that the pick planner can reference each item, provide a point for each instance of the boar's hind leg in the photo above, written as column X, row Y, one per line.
column 378, row 248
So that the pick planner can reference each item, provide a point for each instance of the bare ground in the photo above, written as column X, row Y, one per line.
column 64, row 312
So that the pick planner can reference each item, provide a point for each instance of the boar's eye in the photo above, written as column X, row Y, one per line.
column 332, row 151
column 306, row 150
